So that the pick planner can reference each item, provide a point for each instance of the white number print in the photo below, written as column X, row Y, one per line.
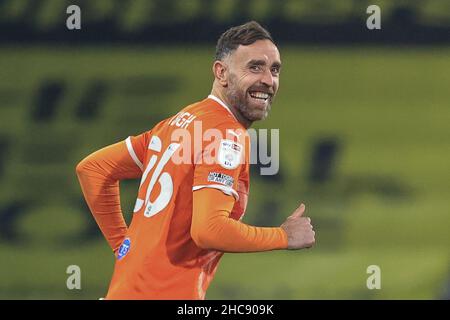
column 163, row 178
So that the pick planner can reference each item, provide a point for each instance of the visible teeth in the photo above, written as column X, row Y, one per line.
column 259, row 95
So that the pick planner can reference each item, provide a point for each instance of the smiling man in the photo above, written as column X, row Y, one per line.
column 248, row 79
column 188, row 213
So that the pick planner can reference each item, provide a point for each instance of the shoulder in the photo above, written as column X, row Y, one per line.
column 209, row 119
column 211, row 114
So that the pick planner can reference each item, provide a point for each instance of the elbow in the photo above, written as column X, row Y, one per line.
column 201, row 238
column 80, row 168
column 83, row 167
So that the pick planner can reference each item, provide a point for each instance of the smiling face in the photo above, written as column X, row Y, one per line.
column 251, row 78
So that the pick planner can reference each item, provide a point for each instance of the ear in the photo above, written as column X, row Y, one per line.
column 220, row 72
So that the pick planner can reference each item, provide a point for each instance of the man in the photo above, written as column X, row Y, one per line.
column 192, row 195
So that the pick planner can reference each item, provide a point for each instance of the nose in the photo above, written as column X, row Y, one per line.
column 267, row 78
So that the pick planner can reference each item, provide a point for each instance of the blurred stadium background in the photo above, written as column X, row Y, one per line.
column 364, row 119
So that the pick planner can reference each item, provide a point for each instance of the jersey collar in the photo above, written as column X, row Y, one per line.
column 213, row 97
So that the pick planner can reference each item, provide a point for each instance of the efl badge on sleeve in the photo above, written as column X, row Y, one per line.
column 230, row 154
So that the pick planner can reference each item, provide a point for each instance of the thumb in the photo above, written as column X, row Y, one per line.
column 299, row 211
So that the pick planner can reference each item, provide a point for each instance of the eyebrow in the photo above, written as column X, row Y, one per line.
column 262, row 63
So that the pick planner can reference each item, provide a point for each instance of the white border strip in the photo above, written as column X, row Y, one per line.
column 224, row 189
column 133, row 154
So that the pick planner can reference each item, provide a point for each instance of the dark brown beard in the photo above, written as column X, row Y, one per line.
column 238, row 100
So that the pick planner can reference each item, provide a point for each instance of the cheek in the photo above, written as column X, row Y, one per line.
column 247, row 80
column 276, row 85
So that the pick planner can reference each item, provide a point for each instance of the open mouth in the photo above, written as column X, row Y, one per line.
column 262, row 96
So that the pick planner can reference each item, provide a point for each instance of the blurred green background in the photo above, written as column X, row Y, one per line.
column 364, row 142
column 384, row 203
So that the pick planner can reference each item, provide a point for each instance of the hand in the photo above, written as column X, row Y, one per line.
column 299, row 230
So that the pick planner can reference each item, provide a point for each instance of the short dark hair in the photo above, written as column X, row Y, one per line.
column 245, row 35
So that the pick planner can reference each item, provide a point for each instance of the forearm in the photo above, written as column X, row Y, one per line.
column 103, row 198
column 226, row 234
column 212, row 228
column 99, row 175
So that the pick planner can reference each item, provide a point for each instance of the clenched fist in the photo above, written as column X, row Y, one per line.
column 299, row 230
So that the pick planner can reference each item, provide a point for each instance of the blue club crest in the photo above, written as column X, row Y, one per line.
column 124, row 248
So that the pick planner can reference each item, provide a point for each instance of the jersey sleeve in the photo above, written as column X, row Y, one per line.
column 222, row 159
column 137, row 146
column 99, row 175
column 212, row 227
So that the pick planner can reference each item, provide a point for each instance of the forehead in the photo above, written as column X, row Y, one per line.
column 258, row 50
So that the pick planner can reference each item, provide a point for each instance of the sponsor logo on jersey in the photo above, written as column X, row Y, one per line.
column 221, row 178
column 124, row 248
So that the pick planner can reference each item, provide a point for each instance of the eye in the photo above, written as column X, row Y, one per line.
column 275, row 70
column 255, row 68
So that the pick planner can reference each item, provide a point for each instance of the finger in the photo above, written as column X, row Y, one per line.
column 299, row 211
column 305, row 221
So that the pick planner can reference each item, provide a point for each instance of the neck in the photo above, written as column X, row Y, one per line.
column 242, row 120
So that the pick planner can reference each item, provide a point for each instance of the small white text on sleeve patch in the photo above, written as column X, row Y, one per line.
column 221, row 178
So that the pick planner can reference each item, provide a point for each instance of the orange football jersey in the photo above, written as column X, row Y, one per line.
column 202, row 146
